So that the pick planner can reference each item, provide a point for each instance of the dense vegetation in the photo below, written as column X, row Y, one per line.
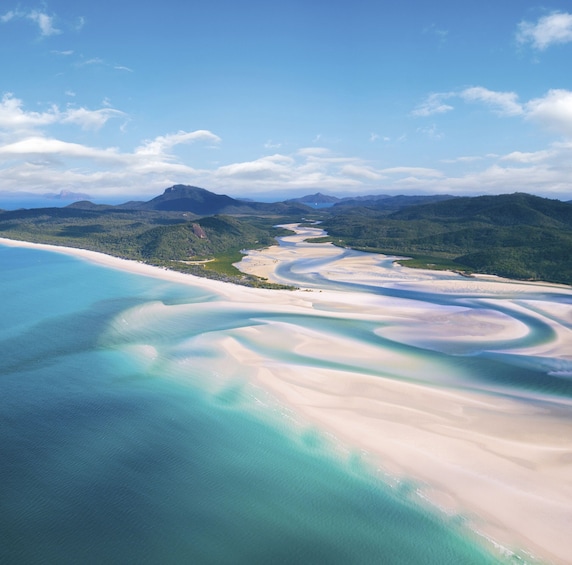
column 518, row 235
column 168, row 239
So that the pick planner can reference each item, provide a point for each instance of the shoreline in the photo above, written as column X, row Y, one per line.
column 495, row 457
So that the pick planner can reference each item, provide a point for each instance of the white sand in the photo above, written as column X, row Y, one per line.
column 504, row 462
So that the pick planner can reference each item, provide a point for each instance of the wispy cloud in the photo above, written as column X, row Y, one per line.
column 272, row 144
column 553, row 29
column 416, row 171
column 44, row 21
column 504, row 103
column 553, row 111
column 15, row 119
column 432, row 132
column 441, row 34
column 360, row 172
column 92, row 61
column 434, row 104
column 90, row 119
column 162, row 144
column 463, row 159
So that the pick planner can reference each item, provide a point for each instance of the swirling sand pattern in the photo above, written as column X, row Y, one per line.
column 463, row 384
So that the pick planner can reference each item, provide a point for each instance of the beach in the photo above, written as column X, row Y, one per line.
column 374, row 368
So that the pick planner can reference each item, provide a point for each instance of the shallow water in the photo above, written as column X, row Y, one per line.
column 127, row 437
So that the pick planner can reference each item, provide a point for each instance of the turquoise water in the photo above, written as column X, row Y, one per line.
column 109, row 455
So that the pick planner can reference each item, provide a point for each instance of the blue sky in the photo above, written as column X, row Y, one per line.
column 261, row 99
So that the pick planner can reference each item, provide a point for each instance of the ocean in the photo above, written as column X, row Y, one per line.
column 122, row 442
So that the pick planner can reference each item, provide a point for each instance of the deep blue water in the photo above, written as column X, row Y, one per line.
column 107, row 457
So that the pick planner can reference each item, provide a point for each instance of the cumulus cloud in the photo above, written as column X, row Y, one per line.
column 13, row 116
column 553, row 29
column 40, row 163
column 553, row 111
column 33, row 160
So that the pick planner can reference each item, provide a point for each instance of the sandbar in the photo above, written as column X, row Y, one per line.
column 502, row 462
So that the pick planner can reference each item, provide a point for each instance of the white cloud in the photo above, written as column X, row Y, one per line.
column 8, row 16
column 13, row 117
column 163, row 143
column 272, row 167
column 313, row 151
column 526, row 157
column 463, row 159
column 272, row 145
column 360, row 172
column 504, row 103
column 90, row 119
column 553, row 111
column 311, row 168
column 45, row 147
column 416, row 171
column 43, row 21
column 431, row 131
column 556, row 28
column 33, row 160
column 434, row 104
column 92, row 61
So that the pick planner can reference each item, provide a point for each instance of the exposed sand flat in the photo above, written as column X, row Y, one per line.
column 506, row 464
column 504, row 461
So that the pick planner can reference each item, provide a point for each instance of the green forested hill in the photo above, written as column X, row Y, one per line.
column 516, row 235
column 178, row 240
column 502, row 210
